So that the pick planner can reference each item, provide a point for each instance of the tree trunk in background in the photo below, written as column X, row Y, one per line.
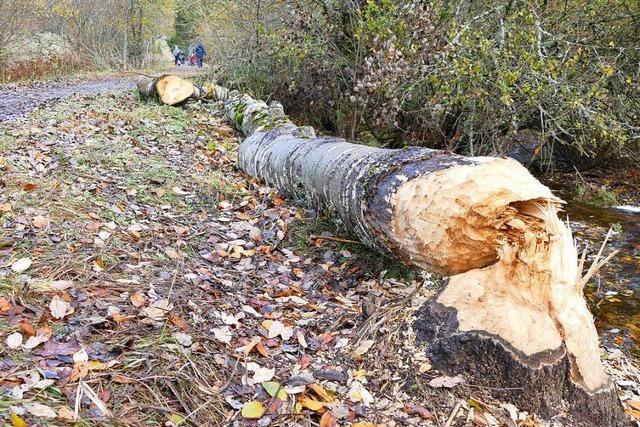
column 512, row 315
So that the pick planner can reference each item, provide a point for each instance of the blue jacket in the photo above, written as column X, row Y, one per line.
column 200, row 52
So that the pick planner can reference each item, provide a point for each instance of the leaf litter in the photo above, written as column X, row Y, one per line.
column 145, row 280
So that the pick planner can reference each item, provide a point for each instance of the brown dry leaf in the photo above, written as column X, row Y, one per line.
column 158, row 309
column 422, row 412
column 181, row 231
column 138, row 299
column 363, row 424
column 5, row 207
column 363, row 347
column 328, row 419
column 262, row 349
column 172, row 253
column 446, row 381
column 29, row 186
column 121, row 379
column 321, row 392
column 59, row 307
column 26, row 327
column 5, row 305
column 119, row 318
column 312, row 404
column 635, row 414
column 66, row 414
column 248, row 347
column 98, row 264
column 41, row 221
column 178, row 321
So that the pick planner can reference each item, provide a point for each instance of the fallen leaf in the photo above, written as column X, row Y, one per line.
column 274, row 389
column 422, row 412
column 301, row 340
column 41, row 221
column 312, row 404
column 424, row 367
column 5, row 305
column 172, row 253
column 58, row 307
column 183, row 339
column 80, row 356
column 363, row 424
column 179, row 322
column 66, row 414
column 222, row 334
column 363, row 347
column 14, row 340
column 321, row 392
column 17, row 421
column 276, row 328
column 446, row 382
column 233, row 403
column 253, row 410
column 138, row 299
column 176, row 419
column 21, row 265
column 40, row 410
column 29, row 186
column 328, row 419
column 35, row 341
column 357, row 393
column 262, row 374
column 158, row 309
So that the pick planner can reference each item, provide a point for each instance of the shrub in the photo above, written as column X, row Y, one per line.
column 467, row 76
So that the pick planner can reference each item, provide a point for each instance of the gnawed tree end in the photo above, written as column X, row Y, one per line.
column 512, row 314
column 167, row 89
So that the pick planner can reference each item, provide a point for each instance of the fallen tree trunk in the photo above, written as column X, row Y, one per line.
column 167, row 89
column 512, row 315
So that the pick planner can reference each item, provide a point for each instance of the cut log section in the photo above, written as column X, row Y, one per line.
column 512, row 314
column 167, row 89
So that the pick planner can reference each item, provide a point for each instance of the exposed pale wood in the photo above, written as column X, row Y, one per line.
column 167, row 89
column 512, row 314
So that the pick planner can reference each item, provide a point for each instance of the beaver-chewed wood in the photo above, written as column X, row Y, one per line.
column 167, row 89
column 512, row 314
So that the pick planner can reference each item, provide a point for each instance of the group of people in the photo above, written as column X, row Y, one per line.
column 195, row 56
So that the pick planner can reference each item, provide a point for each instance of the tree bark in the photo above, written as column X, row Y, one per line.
column 512, row 314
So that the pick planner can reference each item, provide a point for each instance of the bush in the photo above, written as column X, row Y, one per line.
column 466, row 76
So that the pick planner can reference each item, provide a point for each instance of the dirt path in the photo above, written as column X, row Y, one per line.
column 18, row 100
column 144, row 280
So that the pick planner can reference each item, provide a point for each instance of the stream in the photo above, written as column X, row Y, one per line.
column 614, row 293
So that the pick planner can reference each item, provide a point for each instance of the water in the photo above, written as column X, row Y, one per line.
column 613, row 294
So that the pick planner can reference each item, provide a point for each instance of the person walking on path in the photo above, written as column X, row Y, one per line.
column 192, row 56
column 200, row 54
column 177, row 53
